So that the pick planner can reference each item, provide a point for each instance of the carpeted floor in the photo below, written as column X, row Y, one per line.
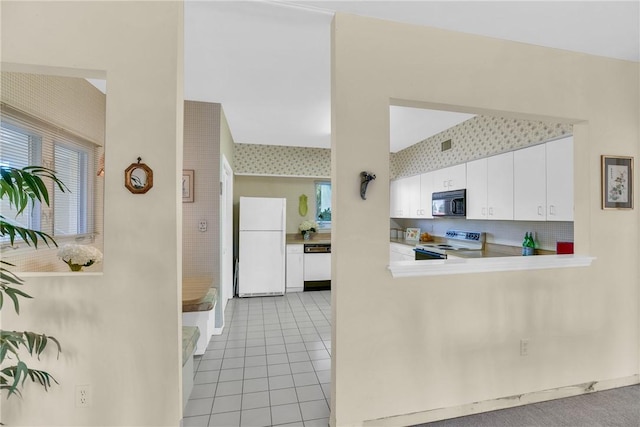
column 618, row 407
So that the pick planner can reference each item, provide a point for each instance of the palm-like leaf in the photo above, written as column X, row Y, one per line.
column 21, row 187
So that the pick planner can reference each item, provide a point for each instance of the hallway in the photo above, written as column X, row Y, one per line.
column 270, row 367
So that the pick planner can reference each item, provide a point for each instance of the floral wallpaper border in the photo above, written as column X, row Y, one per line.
column 277, row 160
column 479, row 137
column 476, row 138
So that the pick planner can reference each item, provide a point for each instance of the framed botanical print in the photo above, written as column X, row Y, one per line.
column 617, row 182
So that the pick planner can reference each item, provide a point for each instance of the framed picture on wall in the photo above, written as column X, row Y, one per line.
column 187, row 186
column 617, row 182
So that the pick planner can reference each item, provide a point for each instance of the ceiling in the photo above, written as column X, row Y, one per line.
column 268, row 62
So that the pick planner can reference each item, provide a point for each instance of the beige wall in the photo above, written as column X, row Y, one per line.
column 119, row 330
column 443, row 342
column 289, row 188
column 200, row 251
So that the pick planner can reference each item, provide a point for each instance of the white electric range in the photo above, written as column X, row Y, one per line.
column 456, row 240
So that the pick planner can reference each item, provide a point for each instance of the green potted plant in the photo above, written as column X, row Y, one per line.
column 22, row 187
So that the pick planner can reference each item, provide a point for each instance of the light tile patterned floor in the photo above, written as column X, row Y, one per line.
column 270, row 367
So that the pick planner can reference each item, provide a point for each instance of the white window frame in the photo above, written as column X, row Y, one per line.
column 322, row 224
column 85, row 211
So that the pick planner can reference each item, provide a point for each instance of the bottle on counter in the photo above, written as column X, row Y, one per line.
column 527, row 244
column 533, row 242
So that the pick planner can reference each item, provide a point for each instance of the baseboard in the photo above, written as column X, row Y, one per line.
column 502, row 403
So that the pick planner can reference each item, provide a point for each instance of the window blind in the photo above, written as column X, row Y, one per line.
column 18, row 149
column 29, row 141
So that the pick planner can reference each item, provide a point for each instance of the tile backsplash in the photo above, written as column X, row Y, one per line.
column 510, row 233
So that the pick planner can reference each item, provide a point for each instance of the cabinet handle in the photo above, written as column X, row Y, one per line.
column 552, row 209
column 450, row 183
column 444, row 183
column 539, row 210
column 491, row 211
column 484, row 211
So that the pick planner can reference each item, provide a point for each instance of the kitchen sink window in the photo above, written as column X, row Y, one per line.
column 323, row 204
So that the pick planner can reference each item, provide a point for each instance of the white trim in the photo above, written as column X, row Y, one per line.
column 57, row 274
column 502, row 402
column 486, row 265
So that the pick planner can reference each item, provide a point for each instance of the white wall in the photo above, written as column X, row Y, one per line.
column 119, row 330
column 443, row 342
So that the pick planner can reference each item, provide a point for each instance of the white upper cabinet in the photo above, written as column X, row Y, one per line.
column 490, row 188
column 560, row 179
column 477, row 189
column 408, row 197
column 451, row 178
column 530, row 183
column 500, row 186
column 544, row 182
column 396, row 210
column 426, row 189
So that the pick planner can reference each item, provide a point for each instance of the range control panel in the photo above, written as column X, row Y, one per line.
column 475, row 236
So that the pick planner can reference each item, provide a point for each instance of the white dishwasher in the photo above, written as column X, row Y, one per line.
column 317, row 266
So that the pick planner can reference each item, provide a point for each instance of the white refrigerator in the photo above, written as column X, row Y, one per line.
column 261, row 261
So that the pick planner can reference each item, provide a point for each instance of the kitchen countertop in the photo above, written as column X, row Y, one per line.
column 490, row 250
column 296, row 238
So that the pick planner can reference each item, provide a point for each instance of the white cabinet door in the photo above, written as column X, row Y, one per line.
column 406, row 198
column 426, row 189
column 477, row 189
column 411, row 192
column 500, row 186
column 560, row 179
column 395, row 196
column 295, row 268
column 490, row 188
column 451, row 178
column 530, row 184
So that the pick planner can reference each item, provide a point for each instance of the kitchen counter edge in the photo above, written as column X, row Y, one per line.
column 296, row 239
column 486, row 265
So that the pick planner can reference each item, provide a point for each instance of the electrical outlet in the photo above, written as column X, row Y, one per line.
column 524, row 347
column 83, row 396
column 202, row 225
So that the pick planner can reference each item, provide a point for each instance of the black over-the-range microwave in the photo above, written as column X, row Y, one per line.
column 449, row 203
